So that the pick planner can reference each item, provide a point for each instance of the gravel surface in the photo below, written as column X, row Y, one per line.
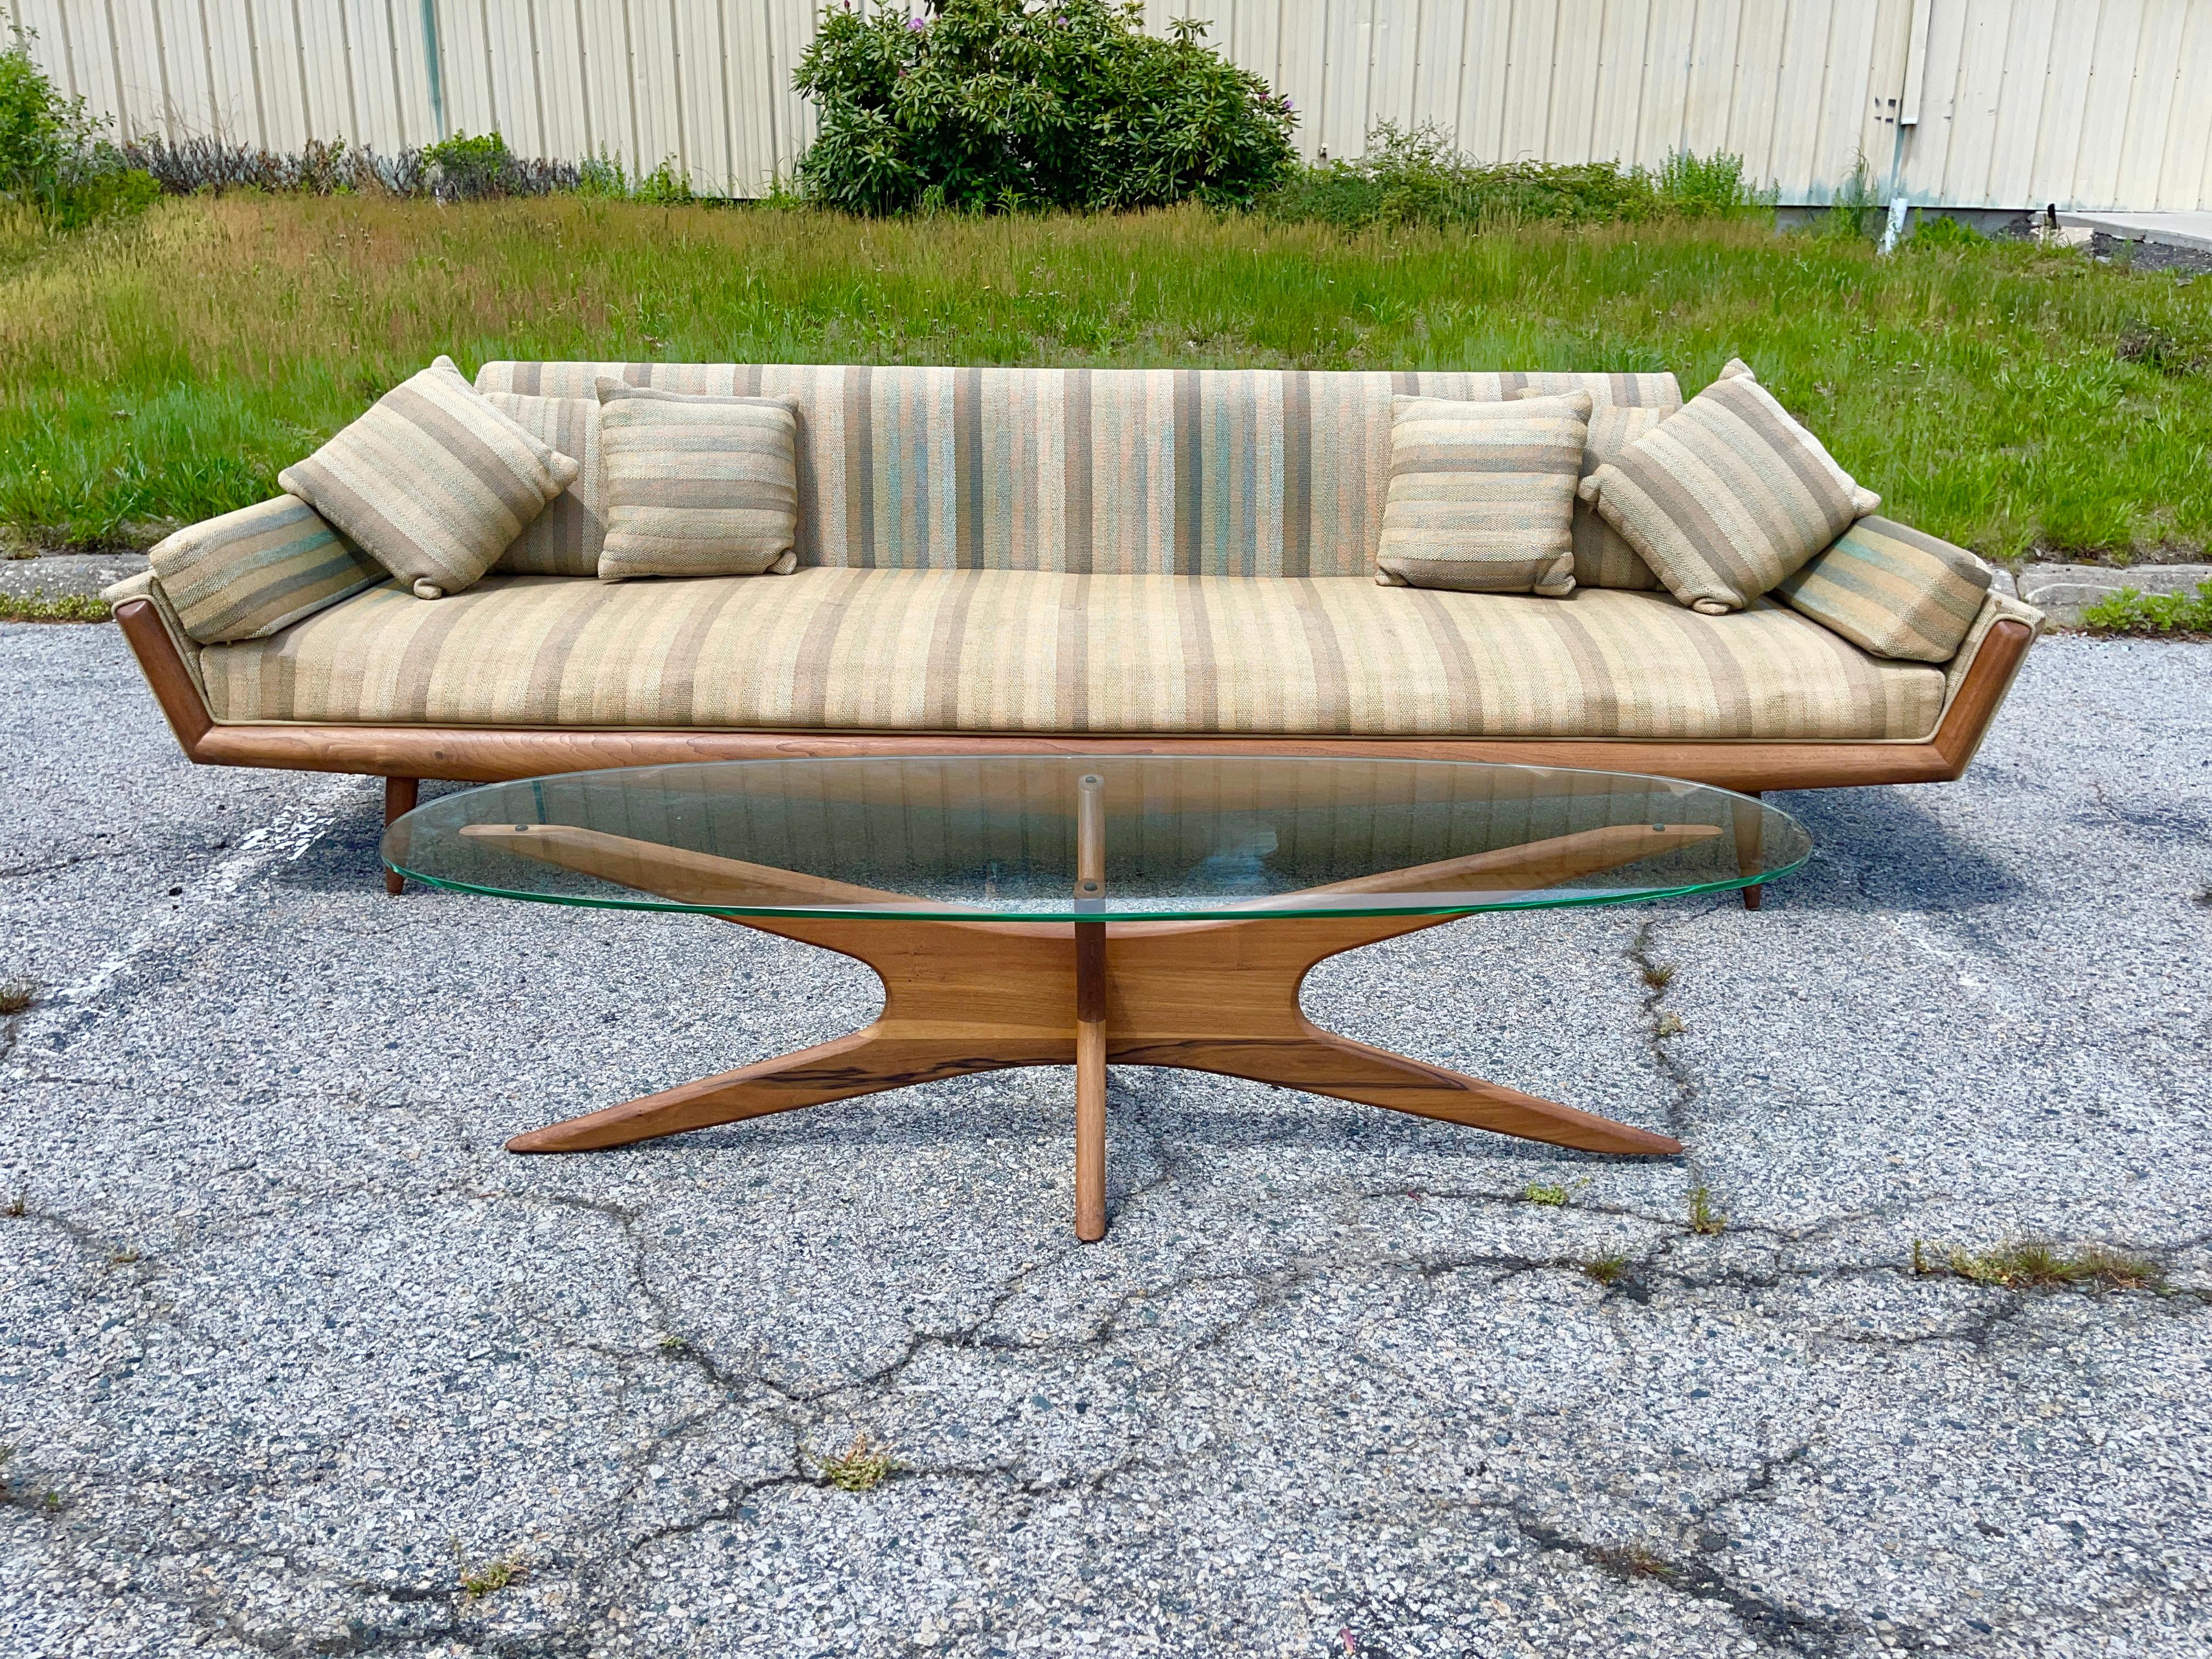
column 59, row 575
column 288, row 1344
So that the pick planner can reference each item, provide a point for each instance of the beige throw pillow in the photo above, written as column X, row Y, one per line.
column 1481, row 496
column 696, row 486
column 1726, row 496
column 433, row 482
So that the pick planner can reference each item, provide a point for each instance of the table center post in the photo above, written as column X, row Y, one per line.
column 1090, row 1010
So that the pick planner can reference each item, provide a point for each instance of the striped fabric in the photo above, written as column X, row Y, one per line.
column 1891, row 590
column 986, row 651
column 433, row 482
column 1227, row 472
column 249, row 572
column 1482, row 496
column 1995, row 608
column 1602, row 559
column 147, row 586
column 564, row 540
column 1727, row 497
column 696, row 486
column 1737, row 369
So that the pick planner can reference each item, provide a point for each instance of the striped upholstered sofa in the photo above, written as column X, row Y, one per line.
column 1052, row 559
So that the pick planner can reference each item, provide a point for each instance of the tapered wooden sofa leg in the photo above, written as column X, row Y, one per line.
column 399, row 795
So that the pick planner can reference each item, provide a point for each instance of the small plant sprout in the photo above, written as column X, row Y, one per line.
column 125, row 1256
column 1668, row 1024
column 1553, row 1197
column 20, row 1206
column 1659, row 974
column 1607, row 1269
column 2028, row 1264
column 674, row 1345
column 1704, row 1218
column 861, row 1467
column 482, row 1578
column 1636, row 1561
column 17, row 993
column 1920, row 1267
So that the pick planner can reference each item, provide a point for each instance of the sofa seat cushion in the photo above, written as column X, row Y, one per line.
column 1012, row 651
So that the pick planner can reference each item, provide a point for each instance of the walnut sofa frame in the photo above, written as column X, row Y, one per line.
column 405, row 755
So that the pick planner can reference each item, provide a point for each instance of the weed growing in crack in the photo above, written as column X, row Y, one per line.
column 123, row 1257
column 674, row 1346
column 2028, row 1264
column 1670, row 1024
column 1635, row 1561
column 484, row 1577
column 1556, row 1198
column 51, row 1503
column 1659, row 974
column 1607, row 1269
column 1704, row 1218
column 20, row 1206
column 861, row 1467
column 17, row 995
column 1920, row 1267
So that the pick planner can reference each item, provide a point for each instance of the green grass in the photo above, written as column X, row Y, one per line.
column 37, row 607
column 2030, row 1264
column 164, row 368
column 2131, row 612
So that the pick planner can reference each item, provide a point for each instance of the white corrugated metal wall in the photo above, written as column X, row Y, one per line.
column 1963, row 103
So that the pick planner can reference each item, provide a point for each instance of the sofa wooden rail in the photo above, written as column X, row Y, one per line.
column 403, row 755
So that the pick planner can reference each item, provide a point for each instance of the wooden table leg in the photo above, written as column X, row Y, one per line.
column 1748, row 822
column 1091, row 1012
column 400, row 796
column 963, row 997
column 1090, row 1081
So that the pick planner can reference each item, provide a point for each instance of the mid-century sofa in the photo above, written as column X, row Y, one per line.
column 1048, row 560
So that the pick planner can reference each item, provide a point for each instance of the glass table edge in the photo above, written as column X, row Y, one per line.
column 1535, row 899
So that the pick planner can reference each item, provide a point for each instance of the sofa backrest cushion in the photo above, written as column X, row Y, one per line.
column 564, row 540
column 1235, row 472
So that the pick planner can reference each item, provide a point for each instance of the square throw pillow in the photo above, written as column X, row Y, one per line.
column 1603, row 558
column 247, row 574
column 564, row 540
column 433, row 482
column 1481, row 496
column 697, row 485
column 1891, row 590
column 1726, row 496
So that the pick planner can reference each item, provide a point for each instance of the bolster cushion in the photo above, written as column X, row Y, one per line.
column 247, row 574
column 1889, row 589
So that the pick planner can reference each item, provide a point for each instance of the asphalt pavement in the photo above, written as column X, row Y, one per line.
column 294, row 1359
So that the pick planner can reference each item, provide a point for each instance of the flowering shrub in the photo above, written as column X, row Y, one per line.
column 1005, row 105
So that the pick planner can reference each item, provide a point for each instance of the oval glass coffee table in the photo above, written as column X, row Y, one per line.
column 1132, row 910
